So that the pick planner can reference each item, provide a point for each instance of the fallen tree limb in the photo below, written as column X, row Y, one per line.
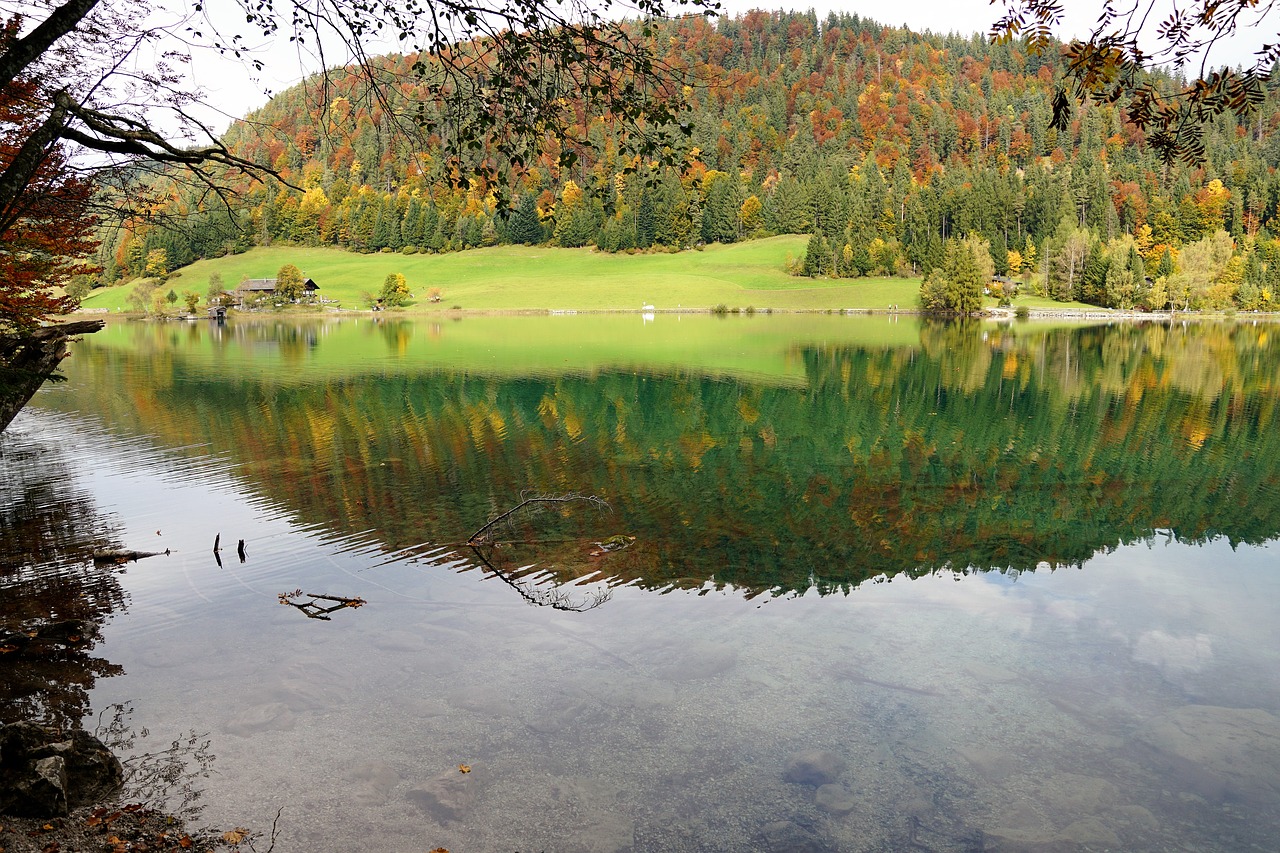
column 123, row 555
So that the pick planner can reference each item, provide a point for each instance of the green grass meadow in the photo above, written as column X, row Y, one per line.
column 514, row 278
column 523, row 278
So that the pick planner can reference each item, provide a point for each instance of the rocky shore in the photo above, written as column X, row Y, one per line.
column 61, row 792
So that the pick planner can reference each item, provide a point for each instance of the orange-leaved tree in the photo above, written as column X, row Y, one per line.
column 47, row 231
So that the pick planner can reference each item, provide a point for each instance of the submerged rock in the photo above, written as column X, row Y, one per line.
column 814, row 767
column 45, row 773
column 372, row 782
column 446, row 797
column 783, row 836
column 1218, row 753
column 835, row 799
column 268, row 717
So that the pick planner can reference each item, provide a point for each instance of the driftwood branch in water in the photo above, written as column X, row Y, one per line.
column 312, row 608
column 27, row 360
column 123, row 555
column 474, row 539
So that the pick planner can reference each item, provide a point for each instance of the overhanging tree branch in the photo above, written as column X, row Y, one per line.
column 20, row 54
column 1112, row 66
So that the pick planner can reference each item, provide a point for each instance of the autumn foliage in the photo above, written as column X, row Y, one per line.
column 47, row 232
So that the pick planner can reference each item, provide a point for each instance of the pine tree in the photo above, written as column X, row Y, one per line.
column 646, row 221
column 525, row 226
column 788, row 211
column 719, row 209
column 964, row 276
column 817, row 256
column 411, row 226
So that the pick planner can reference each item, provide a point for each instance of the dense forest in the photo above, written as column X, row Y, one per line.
column 882, row 143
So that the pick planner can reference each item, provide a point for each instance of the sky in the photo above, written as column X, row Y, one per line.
column 233, row 89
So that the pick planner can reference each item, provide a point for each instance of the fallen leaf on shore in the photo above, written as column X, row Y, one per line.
column 235, row 836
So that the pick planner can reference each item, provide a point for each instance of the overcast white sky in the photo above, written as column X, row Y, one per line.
column 235, row 90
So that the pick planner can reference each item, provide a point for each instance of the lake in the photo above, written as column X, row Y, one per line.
column 817, row 583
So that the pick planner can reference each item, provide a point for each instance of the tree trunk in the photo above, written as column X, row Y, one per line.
column 27, row 360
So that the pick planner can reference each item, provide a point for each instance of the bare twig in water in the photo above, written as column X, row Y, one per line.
column 275, row 831
column 312, row 609
column 475, row 539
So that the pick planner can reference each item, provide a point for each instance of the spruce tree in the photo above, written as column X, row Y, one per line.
column 525, row 226
column 646, row 221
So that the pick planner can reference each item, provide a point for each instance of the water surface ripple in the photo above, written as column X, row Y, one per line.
column 853, row 584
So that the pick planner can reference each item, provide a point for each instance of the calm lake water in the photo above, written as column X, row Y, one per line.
column 860, row 584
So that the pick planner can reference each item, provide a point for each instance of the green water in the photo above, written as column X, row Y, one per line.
column 1018, row 581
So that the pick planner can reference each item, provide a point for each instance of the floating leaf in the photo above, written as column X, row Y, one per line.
column 465, row 768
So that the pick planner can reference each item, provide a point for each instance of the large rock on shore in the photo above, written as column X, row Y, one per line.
column 45, row 773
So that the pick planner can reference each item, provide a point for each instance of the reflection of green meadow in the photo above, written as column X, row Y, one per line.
column 307, row 349
column 515, row 278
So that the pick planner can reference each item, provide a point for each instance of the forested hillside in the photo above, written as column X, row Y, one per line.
column 881, row 142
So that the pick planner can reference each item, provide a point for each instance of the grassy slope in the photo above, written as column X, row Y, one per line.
column 518, row 277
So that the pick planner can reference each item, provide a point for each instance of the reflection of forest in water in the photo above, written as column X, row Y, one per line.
column 980, row 447
column 53, row 598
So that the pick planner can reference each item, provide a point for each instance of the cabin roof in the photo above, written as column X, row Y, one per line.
column 268, row 285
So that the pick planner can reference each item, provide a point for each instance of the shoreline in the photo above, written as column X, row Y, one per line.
column 996, row 314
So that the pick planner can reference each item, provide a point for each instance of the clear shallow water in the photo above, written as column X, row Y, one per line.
column 798, row 512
